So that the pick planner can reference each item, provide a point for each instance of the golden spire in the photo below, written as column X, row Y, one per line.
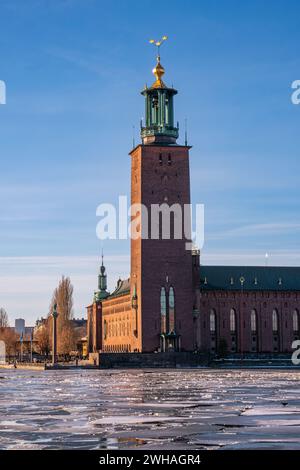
column 158, row 70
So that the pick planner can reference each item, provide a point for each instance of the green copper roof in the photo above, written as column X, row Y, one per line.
column 123, row 288
column 100, row 295
column 251, row 278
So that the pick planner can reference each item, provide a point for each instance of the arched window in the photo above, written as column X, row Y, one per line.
column 105, row 329
column 275, row 321
column 163, row 310
column 171, row 310
column 212, row 321
column 253, row 321
column 232, row 321
column 295, row 320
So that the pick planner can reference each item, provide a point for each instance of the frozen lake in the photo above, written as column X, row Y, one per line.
column 149, row 409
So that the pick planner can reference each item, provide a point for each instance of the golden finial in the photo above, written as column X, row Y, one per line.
column 158, row 70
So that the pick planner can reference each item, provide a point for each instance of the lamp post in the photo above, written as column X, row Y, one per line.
column 31, row 341
column 21, row 349
column 242, row 281
column 134, row 304
column 54, row 335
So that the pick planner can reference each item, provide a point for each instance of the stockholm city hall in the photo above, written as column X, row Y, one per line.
column 172, row 303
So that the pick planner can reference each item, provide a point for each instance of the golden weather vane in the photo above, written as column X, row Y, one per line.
column 158, row 43
column 158, row 70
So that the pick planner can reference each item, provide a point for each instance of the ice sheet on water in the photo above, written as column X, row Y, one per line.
column 176, row 409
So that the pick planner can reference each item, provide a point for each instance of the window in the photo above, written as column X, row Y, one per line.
column 232, row 321
column 171, row 310
column 275, row 321
column 212, row 321
column 253, row 321
column 295, row 320
column 163, row 309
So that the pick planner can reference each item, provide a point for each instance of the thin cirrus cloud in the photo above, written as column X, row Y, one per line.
column 258, row 230
column 27, row 282
column 251, row 258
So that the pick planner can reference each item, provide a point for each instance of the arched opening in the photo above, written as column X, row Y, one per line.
column 253, row 321
column 213, row 330
column 275, row 330
column 212, row 321
column 253, row 327
column 232, row 323
column 275, row 321
column 163, row 319
column 296, row 324
column 163, row 310
column 171, row 310
column 169, row 340
column 172, row 337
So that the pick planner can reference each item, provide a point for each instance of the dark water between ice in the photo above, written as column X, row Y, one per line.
column 171, row 409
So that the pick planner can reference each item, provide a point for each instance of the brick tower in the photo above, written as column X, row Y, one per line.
column 161, row 265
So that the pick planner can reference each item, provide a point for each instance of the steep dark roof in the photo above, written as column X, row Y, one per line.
column 123, row 288
column 256, row 278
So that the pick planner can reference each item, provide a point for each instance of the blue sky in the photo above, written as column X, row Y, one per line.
column 73, row 71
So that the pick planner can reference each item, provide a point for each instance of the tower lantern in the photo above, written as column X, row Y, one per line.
column 159, row 108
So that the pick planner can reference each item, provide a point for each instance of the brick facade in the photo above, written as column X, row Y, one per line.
column 94, row 327
column 118, row 325
column 243, row 339
column 160, row 174
column 256, row 309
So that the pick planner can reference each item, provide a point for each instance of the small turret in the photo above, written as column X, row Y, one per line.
column 102, row 284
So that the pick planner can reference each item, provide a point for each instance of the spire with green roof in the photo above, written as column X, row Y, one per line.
column 101, row 293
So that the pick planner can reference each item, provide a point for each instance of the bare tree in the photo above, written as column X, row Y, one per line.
column 63, row 298
column 3, row 318
column 11, row 340
column 42, row 336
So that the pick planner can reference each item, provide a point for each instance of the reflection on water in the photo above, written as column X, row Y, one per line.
column 136, row 409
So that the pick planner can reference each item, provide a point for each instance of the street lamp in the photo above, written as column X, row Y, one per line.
column 21, row 347
column 54, row 335
column 242, row 281
column 31, row 344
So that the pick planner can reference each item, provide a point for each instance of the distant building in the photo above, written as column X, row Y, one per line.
column 79, row 322
column 20, row 326
column 22, row 330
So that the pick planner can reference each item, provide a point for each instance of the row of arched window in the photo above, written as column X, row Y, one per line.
column 118, row 348
column 253, row 320
column 116, row 328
